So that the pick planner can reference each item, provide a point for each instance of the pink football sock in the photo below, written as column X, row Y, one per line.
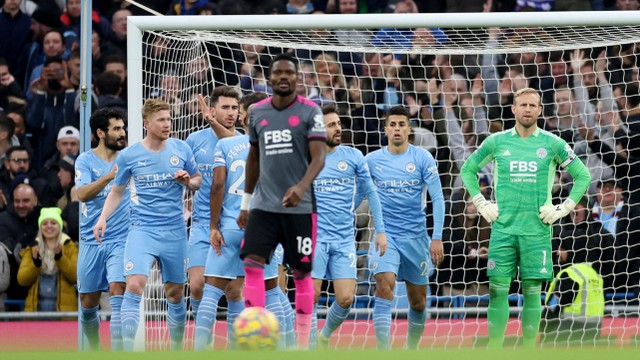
column 254, row 291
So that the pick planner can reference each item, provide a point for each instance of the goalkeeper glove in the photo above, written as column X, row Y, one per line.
column 551, row 213
column 487, row 209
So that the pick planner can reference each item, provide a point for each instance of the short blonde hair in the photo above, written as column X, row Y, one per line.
column 153, row 106
column 527, row 91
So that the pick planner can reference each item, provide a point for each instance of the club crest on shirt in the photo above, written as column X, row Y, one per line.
column 174, row 160
column 542, row 153
column 342, row 165
column 491, row 264
column 410, row 167
column 318, row 123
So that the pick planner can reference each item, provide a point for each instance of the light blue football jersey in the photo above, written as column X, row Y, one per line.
column 335, row 190
column 203, row 143
column 156, row 198
column 401, row 181
column 232, row 153
column 90, row 168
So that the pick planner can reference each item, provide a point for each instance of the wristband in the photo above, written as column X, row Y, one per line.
column 246, row 201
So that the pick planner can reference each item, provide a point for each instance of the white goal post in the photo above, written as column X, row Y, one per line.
column 487, row 59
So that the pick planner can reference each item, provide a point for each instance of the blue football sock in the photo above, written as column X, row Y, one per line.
column 115, row 325
column 382, row 322
column 90, row 326
column 336, row 316
column 274, row 305
column 235, row 308
column 313, row 336
column 416, row 328
column 289, row 319
column 195, row 305
column 130, row 314
column 176, row 319
column 206, row 316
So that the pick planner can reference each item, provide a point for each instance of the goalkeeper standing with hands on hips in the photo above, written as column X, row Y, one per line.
column 526, row 159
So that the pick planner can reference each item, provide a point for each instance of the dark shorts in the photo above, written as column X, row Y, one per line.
column 296, row 232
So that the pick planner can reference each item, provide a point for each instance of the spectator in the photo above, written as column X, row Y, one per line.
column 49, row 266
column 330, row 80
column 6, row 264
column 300, row 7
column 10, row 90
column 51, row 109
column 68, row 144
column 66, row 176
column 351, row 37
column 18, row 228
column 43, row 19
column 97, row 62
column 579, row 309
column 73, row 69
column 54, row 46
column 17, row 166
column 583, row 240
column 17, row 116
column 466, row 246
column 14, row 27
column 117, row 41
column 118, row 65
column 209, row 9
column 186, row 7
column 19, row 223
column 622, row 157
column 70, row 20
column 7, row 128
column 108, row 87
column 627, row 5
column 623, row 222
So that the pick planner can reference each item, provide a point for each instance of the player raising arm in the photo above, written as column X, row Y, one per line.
column 222, row 122
column 158, row 168
column 223, row 263
column 526, row 159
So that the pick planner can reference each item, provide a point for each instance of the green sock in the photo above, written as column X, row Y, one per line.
column 531, row 312
column 498, row 313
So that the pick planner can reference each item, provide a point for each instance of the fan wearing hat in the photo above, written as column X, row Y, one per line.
column 67, row 144
column 48, row 266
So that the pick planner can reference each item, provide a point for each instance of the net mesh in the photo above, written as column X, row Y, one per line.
column 458, row 85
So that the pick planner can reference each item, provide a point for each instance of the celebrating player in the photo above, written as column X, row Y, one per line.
column 223, row 261
column 100, row 263
column 400, row 172
column 335, row 187
column 203, row 143
column 159, row 168
column 283, row 161
column 525, row 159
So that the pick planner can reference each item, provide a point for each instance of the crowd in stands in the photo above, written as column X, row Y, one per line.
column 591, row 98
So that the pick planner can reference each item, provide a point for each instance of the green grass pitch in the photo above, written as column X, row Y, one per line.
column 449, row 354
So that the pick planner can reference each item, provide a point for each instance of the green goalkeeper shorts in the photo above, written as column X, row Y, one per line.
column 531, row 253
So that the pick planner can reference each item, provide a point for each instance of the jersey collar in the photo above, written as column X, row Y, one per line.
column 536, row 132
